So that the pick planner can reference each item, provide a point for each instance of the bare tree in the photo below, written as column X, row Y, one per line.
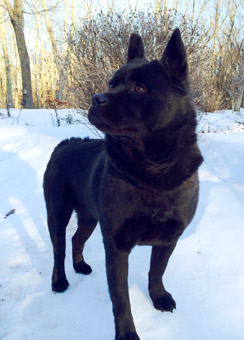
column 238, row 90
column 9, row 99
column 16, row 15
column 61, row 63
column 231, row 56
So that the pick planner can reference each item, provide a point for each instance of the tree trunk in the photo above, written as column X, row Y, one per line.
column 62, row 65
column 25, row 65
column 17, row 21
column 10, row 102
column 9, row 99
column 236, row 104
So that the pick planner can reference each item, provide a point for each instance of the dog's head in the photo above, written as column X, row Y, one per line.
column 144, row 97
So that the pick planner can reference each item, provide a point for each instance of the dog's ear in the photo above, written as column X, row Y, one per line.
column 174, row 59
column 135, row 49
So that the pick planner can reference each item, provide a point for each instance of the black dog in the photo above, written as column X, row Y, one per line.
column 140, row 182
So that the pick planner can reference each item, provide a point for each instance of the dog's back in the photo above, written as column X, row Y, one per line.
column 69, row 168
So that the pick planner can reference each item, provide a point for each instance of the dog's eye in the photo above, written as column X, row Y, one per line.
column 140, row 89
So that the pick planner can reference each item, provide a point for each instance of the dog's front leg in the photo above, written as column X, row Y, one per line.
column 162, row 300
column 117, row 274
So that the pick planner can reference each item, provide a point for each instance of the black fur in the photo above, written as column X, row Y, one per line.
column 140, row 182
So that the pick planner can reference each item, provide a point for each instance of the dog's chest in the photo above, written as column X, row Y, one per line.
column 140, row 217
column 157, row 214
column 149, row 226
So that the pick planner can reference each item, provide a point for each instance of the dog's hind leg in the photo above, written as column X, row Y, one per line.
column 86, row 225
column 162, row 300
column 57, row 223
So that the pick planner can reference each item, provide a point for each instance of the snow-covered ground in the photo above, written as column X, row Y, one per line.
column 205, row 274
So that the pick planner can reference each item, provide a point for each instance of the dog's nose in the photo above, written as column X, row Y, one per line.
column 99, row 99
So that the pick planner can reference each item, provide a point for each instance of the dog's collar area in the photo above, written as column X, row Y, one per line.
column 135, row 183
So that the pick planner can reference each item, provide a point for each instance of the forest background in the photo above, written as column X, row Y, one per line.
column 58, row 53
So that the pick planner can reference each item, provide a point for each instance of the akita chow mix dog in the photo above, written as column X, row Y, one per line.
column 140, row 182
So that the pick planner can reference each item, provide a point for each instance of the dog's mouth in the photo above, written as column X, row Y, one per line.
column 102, row 125
column 97, row 120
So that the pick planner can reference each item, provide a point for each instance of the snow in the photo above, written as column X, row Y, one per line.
column 205, row 273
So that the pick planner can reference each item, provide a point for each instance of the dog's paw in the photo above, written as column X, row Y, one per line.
column 129, row 336
column 82, row 267
column 165, row 303
column 60, row 285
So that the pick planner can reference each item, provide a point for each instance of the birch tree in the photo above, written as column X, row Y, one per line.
column 9, row 99
column 61, row 64
column 16, row 15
